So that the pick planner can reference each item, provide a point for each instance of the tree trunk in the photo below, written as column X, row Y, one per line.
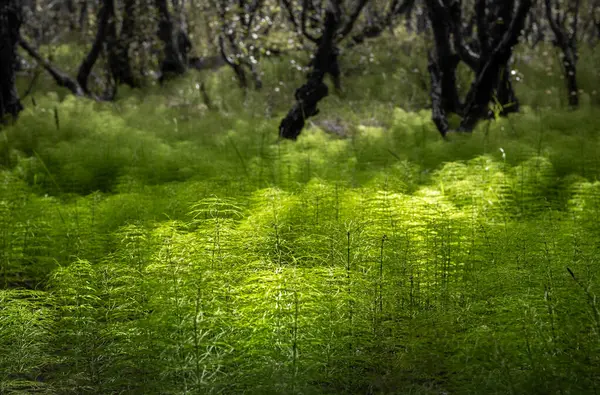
column 118, row 47
column 422, row 22
column 408, row 25
column 61, row 78
column 235, row 65
column 446, row 60
column 10, row 24
column 106, row 14
column 505, row 93
column 498, row 29
column 83, row 16
column 309, row 94
column 566, row 39
column 438, row 111
column 502, row 14
column 71, row 10
column 488, row 76
column 173, row 62
column 570, row 72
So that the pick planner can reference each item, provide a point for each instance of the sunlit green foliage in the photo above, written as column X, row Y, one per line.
column 202, row 256
column 152, row 245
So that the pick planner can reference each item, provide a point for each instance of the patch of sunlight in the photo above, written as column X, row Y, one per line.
column 371, row 132
column 316, row 139
column 414, row 120
column 480, row 182
column 585, row 197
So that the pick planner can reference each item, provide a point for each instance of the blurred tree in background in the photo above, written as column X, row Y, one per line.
column 134, row 42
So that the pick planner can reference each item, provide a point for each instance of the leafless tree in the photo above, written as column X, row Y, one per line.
column 499, row 25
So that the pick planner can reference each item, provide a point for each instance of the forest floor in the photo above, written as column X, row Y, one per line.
column 153, row 246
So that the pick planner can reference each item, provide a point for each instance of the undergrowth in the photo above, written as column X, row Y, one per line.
column 154, row 246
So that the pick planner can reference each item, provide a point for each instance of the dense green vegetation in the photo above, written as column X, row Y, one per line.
column 153, row 246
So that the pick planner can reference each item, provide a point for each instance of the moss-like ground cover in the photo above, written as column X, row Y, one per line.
column 151, row 246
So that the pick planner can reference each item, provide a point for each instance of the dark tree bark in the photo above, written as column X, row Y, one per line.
column 237, row 39
column 325, row 60
column 377, row 25
column 481, row 91
column 534, row 32
column 60, row 77
column 105, row 15
column 83, row 15
column 408, row 25
column 106, row 38
column 498, row 29
column 566, row 40
column 595, row 19
column 309, row 94
column 71, row 11
column 10, row 24
column 235, row 65
column 438, row 107
column 446, row 60
column 118, row 46
column 505, row 95
column 173, row 62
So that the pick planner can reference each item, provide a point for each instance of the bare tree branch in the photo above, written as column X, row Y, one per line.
column 60, row 77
